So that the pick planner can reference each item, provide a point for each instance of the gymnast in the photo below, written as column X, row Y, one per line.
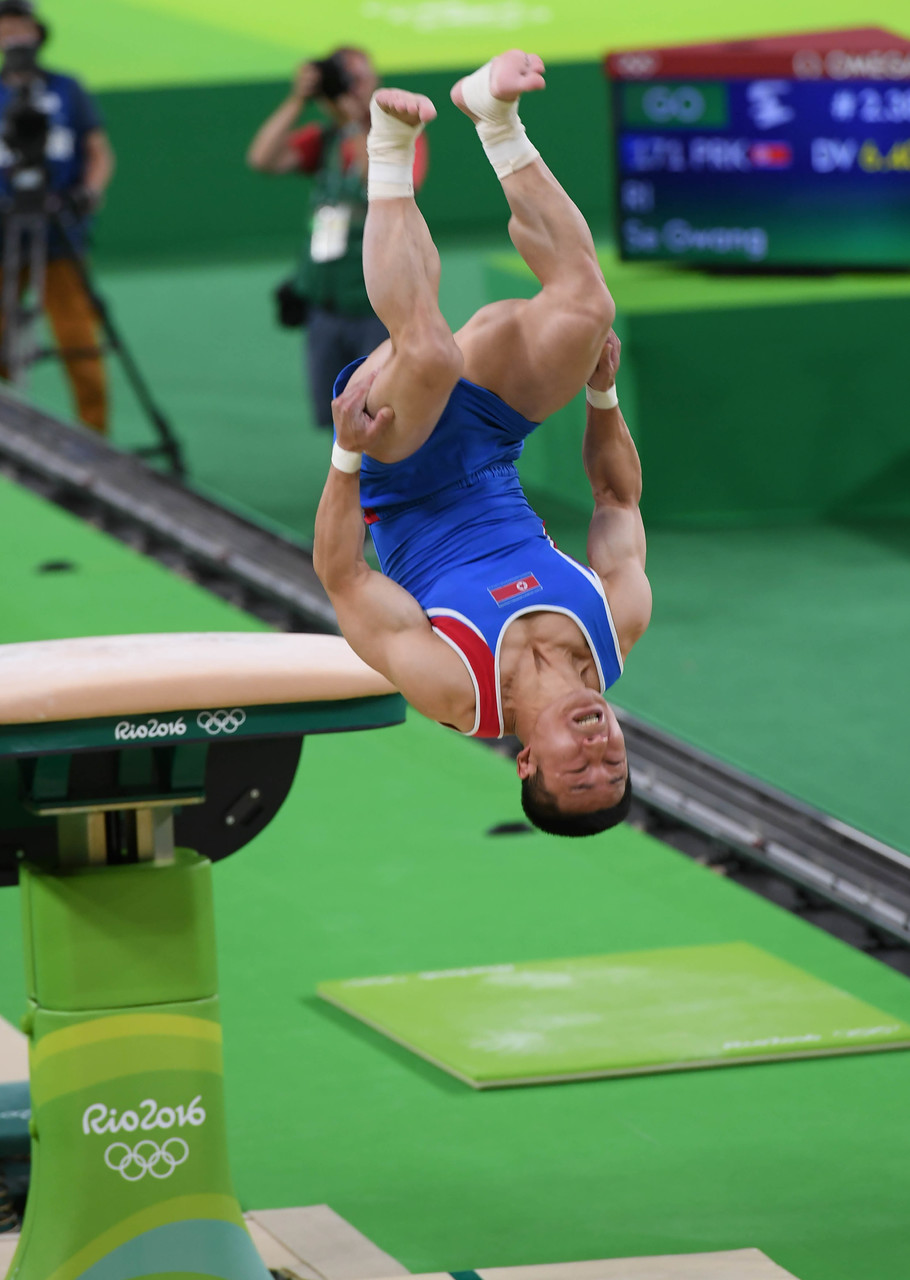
column 480, row 621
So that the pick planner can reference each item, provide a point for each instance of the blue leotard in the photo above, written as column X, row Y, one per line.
column 451, row 524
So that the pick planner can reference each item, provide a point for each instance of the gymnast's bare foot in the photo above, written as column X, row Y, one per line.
column 409, row 108
column 511, row 74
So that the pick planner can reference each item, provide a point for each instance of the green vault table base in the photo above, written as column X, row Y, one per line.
column 114, row 755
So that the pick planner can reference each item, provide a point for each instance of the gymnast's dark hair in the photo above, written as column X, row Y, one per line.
column 542, row 810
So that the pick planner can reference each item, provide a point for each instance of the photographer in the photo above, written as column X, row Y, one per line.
column 340, row 322
column 78, row 163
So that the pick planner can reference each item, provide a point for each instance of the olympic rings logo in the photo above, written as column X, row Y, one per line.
column 638, row 65
column 215, row 722
column 146, row 1157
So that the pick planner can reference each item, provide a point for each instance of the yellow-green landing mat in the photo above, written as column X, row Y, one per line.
column 616, row 1015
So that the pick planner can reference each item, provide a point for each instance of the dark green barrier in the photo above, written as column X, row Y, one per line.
column 751, row 400
column 182, row 187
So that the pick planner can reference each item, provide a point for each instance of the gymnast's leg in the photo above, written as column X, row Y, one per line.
column 421, row 363
column 535, row 354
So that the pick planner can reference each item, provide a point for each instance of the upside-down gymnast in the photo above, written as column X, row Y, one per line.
column 476, row 617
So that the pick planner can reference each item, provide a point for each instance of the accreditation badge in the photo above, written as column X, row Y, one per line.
column 331, row 227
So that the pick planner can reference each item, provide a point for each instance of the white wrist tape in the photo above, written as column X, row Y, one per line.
column 602, row 399
column 505, row 142
column 345, row 459
column 390, row 146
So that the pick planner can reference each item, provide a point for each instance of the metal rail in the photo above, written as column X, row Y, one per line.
column 683, row 796
column 256, row 568
column 769, row 829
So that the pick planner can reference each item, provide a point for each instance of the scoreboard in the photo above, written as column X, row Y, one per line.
column 783, row 153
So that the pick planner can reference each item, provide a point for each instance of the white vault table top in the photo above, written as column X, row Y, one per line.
column 86, row 678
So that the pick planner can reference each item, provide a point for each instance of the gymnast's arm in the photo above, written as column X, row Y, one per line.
column 381, row 621
column 616, row 537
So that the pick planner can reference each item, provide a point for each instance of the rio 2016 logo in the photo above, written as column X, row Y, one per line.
column 149, row 1116
column 211, row 722
column 126, row 731
column 133, row 1163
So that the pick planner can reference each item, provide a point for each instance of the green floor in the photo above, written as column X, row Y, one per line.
column 781, row 650
column 806, row 1160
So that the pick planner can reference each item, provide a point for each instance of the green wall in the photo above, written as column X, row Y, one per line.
column 774, row 400
column 182, row 188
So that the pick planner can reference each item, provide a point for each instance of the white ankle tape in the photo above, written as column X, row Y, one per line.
column 389, row 181
column 390, row 146
column 505, row 142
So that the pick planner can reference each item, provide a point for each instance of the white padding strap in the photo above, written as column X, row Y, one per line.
column 602, row 399
column 346, row 460
column 505, row 142
column 390, row 146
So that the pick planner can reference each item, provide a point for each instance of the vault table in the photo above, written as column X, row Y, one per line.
column 128, row 764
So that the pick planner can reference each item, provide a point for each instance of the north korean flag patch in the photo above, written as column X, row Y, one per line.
column 508, row 591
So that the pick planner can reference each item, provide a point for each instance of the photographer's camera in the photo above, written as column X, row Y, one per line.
column 334, row 77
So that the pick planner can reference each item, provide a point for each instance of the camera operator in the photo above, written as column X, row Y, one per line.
column 78, row 164
column 329, row 287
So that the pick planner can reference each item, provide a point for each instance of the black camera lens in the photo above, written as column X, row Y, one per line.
column 19, row 59
column 334, row 79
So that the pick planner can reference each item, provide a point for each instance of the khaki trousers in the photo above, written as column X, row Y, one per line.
column 75, row 326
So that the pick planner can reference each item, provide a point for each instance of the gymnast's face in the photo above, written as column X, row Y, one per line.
column 578, row 752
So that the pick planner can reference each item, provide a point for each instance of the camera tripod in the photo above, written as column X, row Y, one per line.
column 26, row 228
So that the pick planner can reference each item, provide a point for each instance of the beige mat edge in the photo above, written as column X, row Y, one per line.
column 339, row 1251
column 327, row 1246
column 735, row 1264
column 13, row 1054
column 311, row 1243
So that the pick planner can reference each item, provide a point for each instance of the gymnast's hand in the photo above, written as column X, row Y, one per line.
column 607, row 367
column 354, row 428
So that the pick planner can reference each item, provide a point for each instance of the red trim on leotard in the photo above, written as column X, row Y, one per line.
column 476, row 653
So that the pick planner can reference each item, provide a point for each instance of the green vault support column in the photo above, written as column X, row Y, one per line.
column 130, row 1171
column 129, row 1150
